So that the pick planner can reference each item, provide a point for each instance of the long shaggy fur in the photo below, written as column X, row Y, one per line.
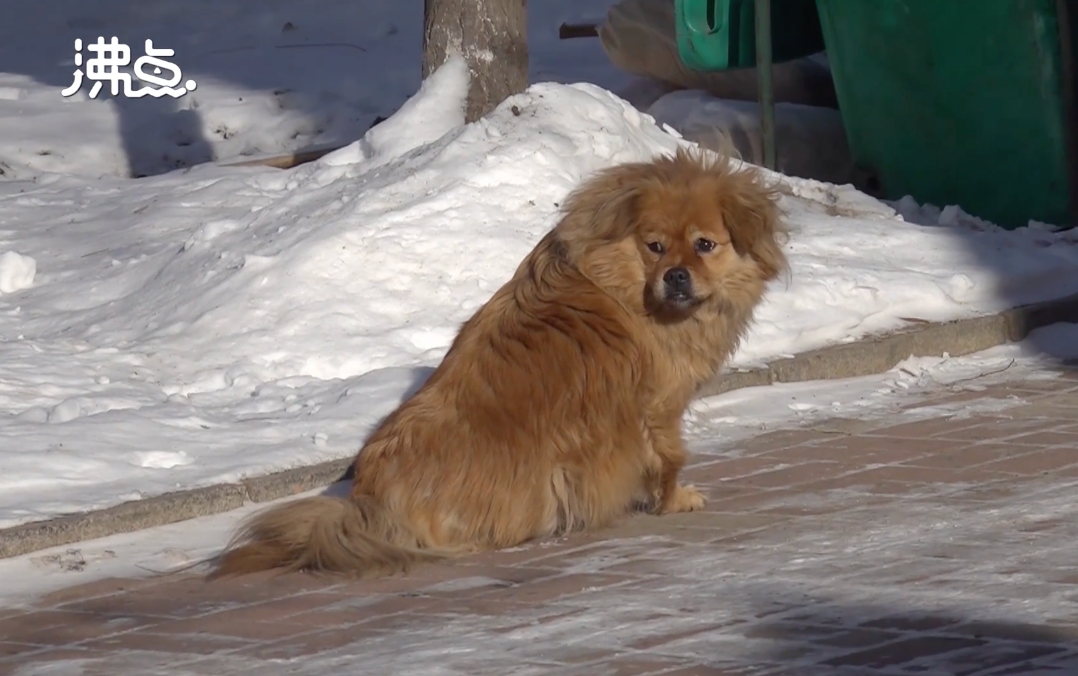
column 559, row 404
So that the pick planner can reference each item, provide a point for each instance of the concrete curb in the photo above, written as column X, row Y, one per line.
column 861, row 358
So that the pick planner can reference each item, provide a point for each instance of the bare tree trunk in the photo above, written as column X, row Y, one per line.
column 491, row 35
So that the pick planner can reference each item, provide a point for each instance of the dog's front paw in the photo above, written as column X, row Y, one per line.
column 684, row 499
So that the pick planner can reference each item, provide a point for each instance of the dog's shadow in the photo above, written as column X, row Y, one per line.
column 340, row 487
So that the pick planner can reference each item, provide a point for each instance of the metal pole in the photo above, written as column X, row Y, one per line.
column 1065, row 10
column 766, row 94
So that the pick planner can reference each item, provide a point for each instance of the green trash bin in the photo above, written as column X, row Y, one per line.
column 721, row 34
column 960, row 102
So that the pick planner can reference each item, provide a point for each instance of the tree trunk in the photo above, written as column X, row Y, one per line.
column 491, row 35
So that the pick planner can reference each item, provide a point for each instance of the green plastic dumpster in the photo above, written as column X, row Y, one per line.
column 721, row 34
column 960, row 102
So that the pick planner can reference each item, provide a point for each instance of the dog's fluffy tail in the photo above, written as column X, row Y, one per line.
column 355, row 535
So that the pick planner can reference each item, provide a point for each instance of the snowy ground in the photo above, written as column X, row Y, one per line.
column 719, row 420
column 207, row 324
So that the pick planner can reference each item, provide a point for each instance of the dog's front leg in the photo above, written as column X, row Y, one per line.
column 668, row 446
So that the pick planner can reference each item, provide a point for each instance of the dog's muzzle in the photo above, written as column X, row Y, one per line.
column 677, row 288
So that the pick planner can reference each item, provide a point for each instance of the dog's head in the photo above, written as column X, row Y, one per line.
column 676, row 235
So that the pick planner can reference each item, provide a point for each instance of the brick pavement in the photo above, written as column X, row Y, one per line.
column 924, row 544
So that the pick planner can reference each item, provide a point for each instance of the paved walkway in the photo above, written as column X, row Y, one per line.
column 918, row 544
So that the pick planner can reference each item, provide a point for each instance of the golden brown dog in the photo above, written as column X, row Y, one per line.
column 559, row 405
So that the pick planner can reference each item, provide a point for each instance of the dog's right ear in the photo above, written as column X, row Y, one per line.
column 596, row 231
column 604, row 209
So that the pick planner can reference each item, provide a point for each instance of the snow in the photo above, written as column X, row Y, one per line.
column 207, row 324
column 436, row 110
column 727, row 418
column 16, row 272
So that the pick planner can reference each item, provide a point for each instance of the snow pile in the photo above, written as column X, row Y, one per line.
column 858, row 268
column 206, row 325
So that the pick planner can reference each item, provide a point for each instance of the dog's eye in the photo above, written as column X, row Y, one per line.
column 656, row 247
column 704, row 245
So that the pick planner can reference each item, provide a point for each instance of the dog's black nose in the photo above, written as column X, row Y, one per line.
column 677, row 279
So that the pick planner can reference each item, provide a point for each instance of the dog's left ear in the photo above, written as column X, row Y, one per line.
column 752, row 216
